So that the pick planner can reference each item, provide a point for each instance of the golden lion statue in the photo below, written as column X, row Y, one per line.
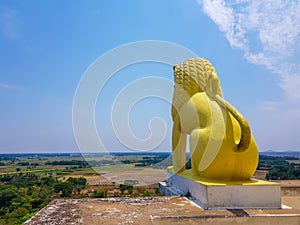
column 221, row 144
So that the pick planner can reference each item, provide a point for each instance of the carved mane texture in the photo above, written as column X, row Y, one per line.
column 190, row 77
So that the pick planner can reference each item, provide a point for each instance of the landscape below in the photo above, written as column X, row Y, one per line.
column 28, row 182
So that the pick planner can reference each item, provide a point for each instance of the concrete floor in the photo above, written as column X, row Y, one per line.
column 158, row 210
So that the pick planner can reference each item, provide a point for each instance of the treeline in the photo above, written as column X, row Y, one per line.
column 279, row 168
column 147, row 161
column 68, row 163
column 14, row 156
column 22, row 195
column 74, row 162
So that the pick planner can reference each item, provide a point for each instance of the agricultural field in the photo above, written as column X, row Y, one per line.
column 142, row 169
column 28, row 182
column 279, row 166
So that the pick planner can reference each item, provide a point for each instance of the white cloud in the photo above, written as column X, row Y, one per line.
column 268, row 32
column 9, row 86
column 225, row 18
column 270, row 106
column 4, row 85
column 291, row 84
column 275, row 26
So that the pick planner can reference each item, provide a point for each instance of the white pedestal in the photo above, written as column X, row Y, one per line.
column 210, row 194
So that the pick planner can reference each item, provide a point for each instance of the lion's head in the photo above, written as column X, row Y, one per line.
column 192, row 76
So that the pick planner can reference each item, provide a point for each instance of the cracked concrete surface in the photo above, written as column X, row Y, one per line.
column 153, row 210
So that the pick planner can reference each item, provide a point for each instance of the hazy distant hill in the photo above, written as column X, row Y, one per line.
column 281, row 153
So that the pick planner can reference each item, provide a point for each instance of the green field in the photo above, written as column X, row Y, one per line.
column 30, row 181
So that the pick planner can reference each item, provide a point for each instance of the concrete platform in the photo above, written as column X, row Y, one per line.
column 153, row 210
column 211, row 194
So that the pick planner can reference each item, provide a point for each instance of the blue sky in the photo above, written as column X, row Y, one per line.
column 46, row 46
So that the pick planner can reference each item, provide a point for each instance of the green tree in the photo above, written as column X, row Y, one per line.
column 7, row 194
column 146, row 194
column 77, row 181
column 18, row 213
column 102, row 193
column 65, row 187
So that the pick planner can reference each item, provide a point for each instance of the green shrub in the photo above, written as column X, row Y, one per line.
column 102, row 193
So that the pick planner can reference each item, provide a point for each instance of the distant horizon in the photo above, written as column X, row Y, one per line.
column 137, row 152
